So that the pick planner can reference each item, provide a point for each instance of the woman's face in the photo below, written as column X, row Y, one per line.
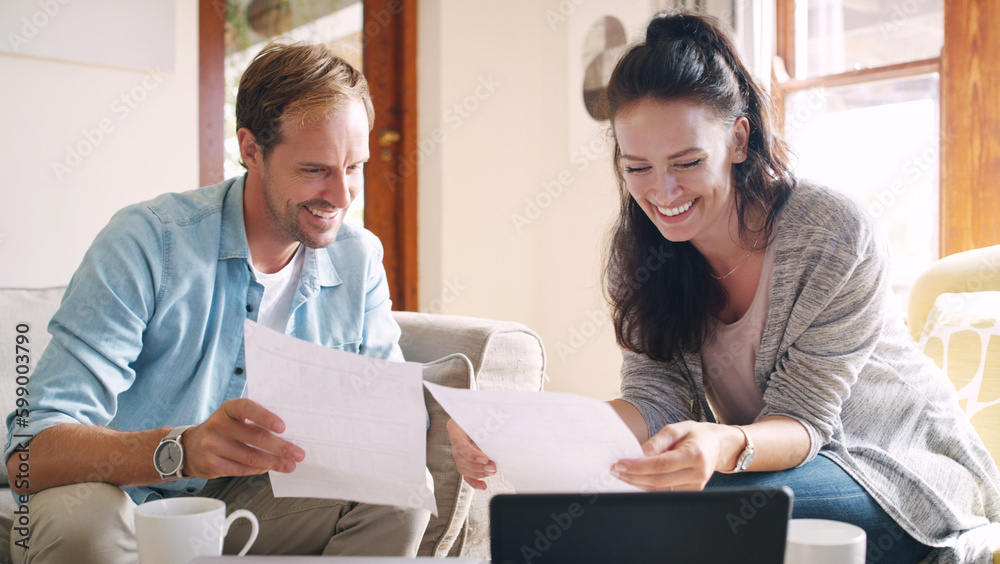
column 676, row 160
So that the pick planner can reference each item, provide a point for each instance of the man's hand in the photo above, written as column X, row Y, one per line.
column 472, row 463
column 239, row 439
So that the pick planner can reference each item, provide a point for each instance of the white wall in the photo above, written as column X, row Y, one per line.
column 83, row 140
column 494, row 114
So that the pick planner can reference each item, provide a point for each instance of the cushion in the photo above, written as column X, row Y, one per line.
column 24, row 318
column 505, row 355
column 453, row 495
column 968, row 271
column 962, row 335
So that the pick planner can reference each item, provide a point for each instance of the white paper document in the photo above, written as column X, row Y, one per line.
column 544, row 442
column 360, row 420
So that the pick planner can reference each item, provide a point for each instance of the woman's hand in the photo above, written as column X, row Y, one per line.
column 682, row 456
column 473, row 464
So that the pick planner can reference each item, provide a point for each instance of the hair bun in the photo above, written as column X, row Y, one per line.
column 668, row 25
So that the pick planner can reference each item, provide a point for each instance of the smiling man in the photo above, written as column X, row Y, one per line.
column 140, row 394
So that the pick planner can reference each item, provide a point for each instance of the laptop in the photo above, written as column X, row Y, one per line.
column 720, row 525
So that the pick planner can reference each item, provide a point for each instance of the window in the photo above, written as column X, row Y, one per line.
column 860, row 93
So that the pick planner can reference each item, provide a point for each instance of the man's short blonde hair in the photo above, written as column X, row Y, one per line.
column 292, row 84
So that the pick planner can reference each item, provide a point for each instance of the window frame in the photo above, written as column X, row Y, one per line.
column 970, row 151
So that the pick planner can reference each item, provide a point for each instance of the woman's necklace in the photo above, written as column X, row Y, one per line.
column 754, row 247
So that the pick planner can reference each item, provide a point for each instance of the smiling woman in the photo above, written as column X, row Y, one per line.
column 682, row 181
column 767, row 341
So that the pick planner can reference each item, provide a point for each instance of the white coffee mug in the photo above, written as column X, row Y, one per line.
column 178, row 530
column 822, row 541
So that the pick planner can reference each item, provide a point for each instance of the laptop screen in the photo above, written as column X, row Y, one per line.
column 721, row 525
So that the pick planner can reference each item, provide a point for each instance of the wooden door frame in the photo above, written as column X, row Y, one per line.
column 390, row 60
column 970, row 149
column 390, row 64
column 211, row 90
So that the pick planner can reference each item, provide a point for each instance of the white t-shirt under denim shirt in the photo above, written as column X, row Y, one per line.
column 275, row 307
column 728, row 357
column 279, row 291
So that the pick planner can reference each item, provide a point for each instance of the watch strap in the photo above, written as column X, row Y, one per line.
column 746, row 456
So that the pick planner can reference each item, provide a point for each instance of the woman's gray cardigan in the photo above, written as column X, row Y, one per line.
column 837, row 357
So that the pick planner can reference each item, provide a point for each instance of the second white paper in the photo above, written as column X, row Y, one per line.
column 360, row 420
column 544, row 442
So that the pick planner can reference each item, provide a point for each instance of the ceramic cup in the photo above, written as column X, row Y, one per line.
column 178, row 530
column 821, row 541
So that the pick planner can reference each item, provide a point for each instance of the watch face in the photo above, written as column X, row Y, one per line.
column 168, row 457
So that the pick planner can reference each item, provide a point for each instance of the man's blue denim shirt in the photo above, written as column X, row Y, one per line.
column 150, row 331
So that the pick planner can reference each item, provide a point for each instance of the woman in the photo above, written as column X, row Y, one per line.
column 764, row 349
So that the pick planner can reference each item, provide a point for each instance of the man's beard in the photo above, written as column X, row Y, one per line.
column 287, row 219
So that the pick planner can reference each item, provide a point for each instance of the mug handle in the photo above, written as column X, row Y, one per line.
column 254, row 527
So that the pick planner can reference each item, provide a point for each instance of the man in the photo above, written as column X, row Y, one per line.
column 147, row 348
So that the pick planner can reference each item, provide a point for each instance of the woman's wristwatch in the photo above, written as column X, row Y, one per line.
column 746, row 457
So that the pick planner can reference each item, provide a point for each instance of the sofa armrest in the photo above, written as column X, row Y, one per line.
column 503, row 356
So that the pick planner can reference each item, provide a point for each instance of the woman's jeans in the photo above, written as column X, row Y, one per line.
column 824, row 491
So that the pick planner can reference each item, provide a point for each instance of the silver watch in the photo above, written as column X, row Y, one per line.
column 746, row 457
column 169, row 456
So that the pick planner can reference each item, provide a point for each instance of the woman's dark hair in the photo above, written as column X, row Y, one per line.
column 661, row 292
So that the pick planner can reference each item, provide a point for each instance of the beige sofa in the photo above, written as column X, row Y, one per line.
column 462, row 352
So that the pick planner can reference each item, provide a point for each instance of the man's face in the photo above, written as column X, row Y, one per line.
column 311, row 177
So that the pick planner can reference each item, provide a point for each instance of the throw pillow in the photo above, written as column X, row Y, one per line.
column 453, row 495
column 962, row 335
